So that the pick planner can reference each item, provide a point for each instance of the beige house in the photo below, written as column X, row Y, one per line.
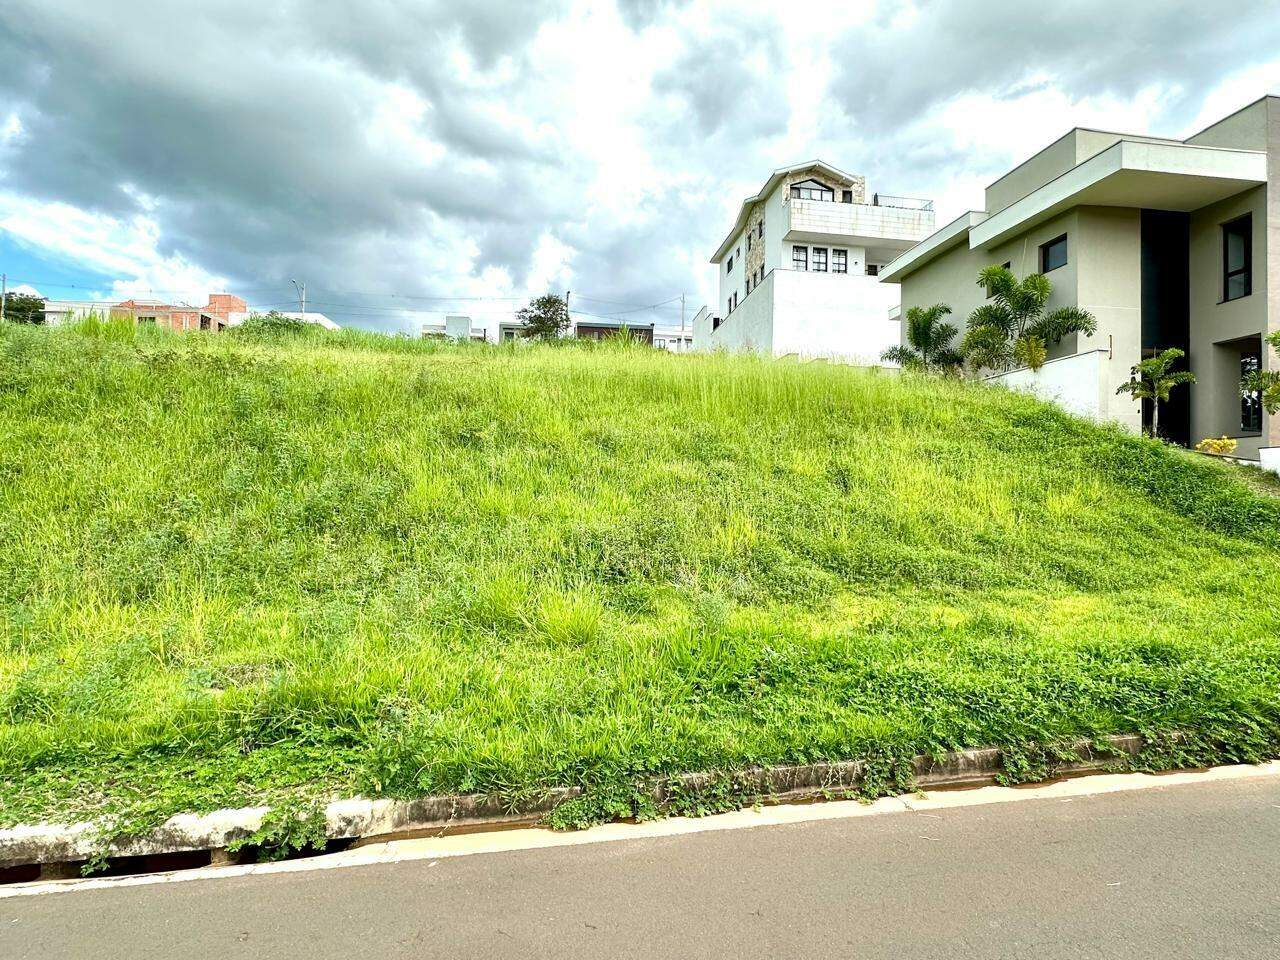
column 1169, row 243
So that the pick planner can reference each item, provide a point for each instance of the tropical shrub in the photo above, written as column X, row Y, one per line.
column 1014, row 329
column 1265, row 384
column 1222, row 446
column 928, row 347
column 1153, row 379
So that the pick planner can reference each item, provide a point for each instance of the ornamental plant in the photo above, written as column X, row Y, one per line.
column 1264, row 384
column 1014, row 329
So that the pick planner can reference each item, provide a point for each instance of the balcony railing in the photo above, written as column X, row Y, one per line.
column 904, row 203
column 899, row 226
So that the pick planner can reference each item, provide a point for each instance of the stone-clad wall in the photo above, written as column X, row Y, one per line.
column 857, row 184
column 755, row 255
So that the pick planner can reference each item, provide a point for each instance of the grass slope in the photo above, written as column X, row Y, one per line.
column 236, row 569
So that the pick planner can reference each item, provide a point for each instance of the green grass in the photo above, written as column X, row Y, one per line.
column 239, row 568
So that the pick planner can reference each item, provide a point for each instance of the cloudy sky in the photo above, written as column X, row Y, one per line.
column 432, row 155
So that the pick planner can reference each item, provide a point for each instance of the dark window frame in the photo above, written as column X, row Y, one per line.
column 840, row 265
column 1250, row 404
column 728, row 267
column 819, row 192
column 846, row 196
column 1245, row 271
column 815, row 260
column 802, row 259
column 1045, row 249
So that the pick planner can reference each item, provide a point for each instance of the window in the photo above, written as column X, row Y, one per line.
column 839, row 261
column 204, row 323
column 748, row 243
column 1053, row 254
column 799, row 258
column 873, row 269
column 846, row 196
column 150, row 320
column 811, row 190
column 819, row 260
column 760, row 229
column 1237, row 258
column 1250, row 403
column 728, row 267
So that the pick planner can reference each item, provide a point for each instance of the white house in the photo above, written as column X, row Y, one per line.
column 798, row 270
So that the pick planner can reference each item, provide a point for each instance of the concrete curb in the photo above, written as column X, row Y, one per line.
column 52, row 846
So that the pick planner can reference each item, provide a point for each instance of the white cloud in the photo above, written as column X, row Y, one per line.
column 492, row 150
column 124, row 248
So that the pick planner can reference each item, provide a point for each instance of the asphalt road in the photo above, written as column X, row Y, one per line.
column 1180, row 871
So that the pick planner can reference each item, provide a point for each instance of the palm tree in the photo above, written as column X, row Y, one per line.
column 1152, row 379
column 1013, row 328
column 928, row 346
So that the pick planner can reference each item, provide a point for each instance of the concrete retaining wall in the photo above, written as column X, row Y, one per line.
column 58, row 844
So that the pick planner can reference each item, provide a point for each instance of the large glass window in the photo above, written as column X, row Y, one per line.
column 819, row 260
column 1250, row 403
column 1237, row 258
column 728, row 267
column 811, row 190
column 839, row 261
column 799, row 258
column 1053, row 254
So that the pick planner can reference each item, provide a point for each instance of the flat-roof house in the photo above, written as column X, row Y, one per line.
column 797, row 270
column 1168, row 243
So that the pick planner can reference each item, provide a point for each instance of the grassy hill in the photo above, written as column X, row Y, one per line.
column 238, row 567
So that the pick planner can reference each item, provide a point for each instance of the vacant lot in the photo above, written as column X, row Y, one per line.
column 234, row 568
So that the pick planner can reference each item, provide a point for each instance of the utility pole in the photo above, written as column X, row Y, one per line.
column 682, row 313
column 4, row 293
column 566, row 311
column 302, row 295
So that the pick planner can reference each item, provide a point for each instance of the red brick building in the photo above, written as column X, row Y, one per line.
column 215, row 316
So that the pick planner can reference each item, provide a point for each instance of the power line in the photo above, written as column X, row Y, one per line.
column 366, row 309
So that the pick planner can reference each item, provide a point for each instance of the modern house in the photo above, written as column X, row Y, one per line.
column 455, row 327
column 673, row 337
column 598, row 328
column 798, row 269
column 1168, row 243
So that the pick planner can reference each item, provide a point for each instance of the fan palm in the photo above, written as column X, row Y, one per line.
column 1014, row 328
column 928, row 347
column 1153, row 379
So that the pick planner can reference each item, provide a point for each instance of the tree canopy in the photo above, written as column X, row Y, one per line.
column 23, row 308
column 545, row 318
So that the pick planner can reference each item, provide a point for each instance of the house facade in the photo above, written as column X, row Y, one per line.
column 222, row 310
column 1168, row 243
column 798, row 269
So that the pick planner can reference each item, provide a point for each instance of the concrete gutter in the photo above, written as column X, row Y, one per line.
column 56, row 846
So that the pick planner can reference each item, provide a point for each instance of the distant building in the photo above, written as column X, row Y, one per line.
column 455, row 327
column 677, row 339
column 222, row 311
column 66, row 311
column 798, row 269
column 215, row 316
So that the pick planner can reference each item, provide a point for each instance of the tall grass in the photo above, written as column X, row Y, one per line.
column 235, row 565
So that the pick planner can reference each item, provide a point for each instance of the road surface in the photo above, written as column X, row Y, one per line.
column 1185, row 871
